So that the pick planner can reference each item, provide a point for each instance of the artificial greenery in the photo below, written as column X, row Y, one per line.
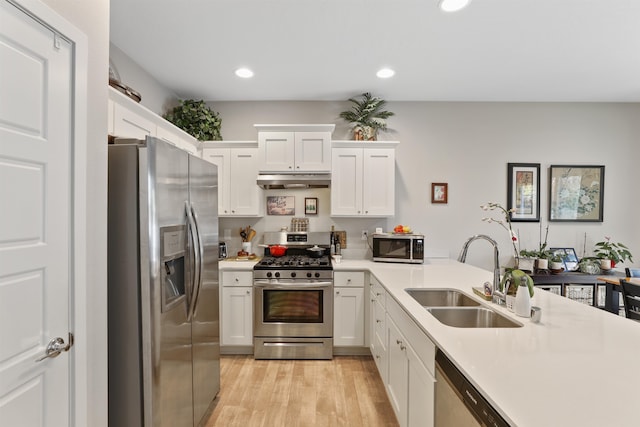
column 198, row 120
column 616, row 252
column 367, row 112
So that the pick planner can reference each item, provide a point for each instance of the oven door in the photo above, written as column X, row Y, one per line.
column 286, row 308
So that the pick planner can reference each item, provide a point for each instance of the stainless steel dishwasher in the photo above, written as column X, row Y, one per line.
column 458, row 403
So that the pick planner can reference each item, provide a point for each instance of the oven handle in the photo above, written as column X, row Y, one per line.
column 289, row 285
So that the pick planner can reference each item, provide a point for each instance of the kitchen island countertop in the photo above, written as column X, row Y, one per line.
column 571, row 369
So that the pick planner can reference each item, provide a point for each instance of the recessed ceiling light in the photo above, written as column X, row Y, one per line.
column 385, row 73
column 245, row 73
column 453, row 5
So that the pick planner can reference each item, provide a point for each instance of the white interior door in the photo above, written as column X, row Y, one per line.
column 35, row 193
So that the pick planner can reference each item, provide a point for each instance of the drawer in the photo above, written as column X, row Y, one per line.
column 237, row 278
column 379, row 353
column 380, row 324
column 348, row 278
column 377, row 292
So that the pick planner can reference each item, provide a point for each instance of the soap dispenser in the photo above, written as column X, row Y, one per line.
column 523, row 299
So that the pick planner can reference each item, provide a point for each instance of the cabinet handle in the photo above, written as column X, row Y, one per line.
column 378, row 321
column 402, row 347
column 377, row 356
column 233, row 211
column 348, row 280
column 398, row 341
column 248, row 292
column 236, row 279
column 337, row 292
column 378, row 294
column 373, row 300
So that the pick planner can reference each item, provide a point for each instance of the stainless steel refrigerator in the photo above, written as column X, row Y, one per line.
column 164, row 340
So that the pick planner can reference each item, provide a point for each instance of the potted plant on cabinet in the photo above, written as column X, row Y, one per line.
column 197, row 119
column 367, row 117
column 556, row 264
column 611, row 253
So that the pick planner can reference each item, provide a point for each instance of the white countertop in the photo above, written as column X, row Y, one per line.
column 574, row 368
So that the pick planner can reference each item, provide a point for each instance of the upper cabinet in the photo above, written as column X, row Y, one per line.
column 363, row 178
column 237, row 161
column 295, row 148
column 128, row 119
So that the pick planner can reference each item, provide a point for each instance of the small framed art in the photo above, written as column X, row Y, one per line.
column 281, row 205
column 439, row 192
column 576, row 193
column 523, row 191
column 310, row 205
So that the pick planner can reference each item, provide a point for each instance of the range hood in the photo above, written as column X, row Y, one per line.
column 290, row 181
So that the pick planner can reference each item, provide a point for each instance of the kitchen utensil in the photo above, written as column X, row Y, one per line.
column 275, row 250
column 252, row 234
column 316, row 251
column 243, row 234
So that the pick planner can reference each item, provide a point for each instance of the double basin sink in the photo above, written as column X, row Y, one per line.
column 454, row 308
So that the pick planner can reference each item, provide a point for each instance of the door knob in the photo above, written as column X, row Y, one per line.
column 55, row 347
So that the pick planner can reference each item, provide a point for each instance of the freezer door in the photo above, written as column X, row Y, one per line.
column 165, row 255
column 203, row 194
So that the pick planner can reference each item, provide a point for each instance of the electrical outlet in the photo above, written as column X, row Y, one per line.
column 365, row 235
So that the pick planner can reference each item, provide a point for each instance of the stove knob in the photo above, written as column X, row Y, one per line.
column 293, row 274
column 317, row 274
column 269, row 274
column 308, row 274
column 277, row 274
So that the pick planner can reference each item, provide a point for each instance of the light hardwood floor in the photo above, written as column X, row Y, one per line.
column 345, row 391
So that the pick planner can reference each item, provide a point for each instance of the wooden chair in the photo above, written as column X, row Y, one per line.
column 631, row 299
column 632, row 272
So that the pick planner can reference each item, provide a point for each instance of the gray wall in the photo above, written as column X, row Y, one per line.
column 468, row 145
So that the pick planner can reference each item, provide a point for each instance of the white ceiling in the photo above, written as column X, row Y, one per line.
column 494, row 50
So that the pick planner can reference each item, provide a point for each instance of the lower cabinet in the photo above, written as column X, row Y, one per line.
column 236, row 308
column 348, row 309
column 409, row 371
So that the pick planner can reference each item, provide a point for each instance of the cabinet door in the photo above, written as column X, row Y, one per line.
column 128, row 124
column 398, row 381
column 312, row 151
column 377, row 336
column 245, row 197
column 420, row 407
column 276, row 151
column 237, row 315
column 346, row 182
column 348, row 319
column 221, row 157
column 378, row 183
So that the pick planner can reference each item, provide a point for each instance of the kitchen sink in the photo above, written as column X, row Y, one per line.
column 472, row 317
column 441, row 298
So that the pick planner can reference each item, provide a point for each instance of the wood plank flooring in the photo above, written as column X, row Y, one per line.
column 345, row 391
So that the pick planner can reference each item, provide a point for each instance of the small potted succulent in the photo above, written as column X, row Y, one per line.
column 556, row 263
column 611, row 253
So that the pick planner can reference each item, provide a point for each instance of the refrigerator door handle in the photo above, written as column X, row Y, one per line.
column 192, row 231
column 200, row 265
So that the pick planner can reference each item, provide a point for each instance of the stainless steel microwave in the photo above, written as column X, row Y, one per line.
column 407, row 248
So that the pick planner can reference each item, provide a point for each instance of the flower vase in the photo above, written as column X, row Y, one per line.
column 522, row 306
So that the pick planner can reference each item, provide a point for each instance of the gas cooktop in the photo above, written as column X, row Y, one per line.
column 294, row 262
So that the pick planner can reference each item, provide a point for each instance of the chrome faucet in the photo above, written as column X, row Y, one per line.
column 498, row 297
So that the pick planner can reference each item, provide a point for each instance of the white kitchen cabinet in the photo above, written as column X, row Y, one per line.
column 294, row 148
column 411, row 370
column 378, row 328
column 236, row 308
column 237, row 161
column 128, row 119
column 237, row 315
column 363, row 178
column 348, row 309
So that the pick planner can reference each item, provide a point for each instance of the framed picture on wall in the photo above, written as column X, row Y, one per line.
column 281, row 205
column 576, row 193
column 310, row 205
column 439, row 192
column 523, row 191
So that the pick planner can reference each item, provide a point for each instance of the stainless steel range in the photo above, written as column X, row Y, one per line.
column 293, row 298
